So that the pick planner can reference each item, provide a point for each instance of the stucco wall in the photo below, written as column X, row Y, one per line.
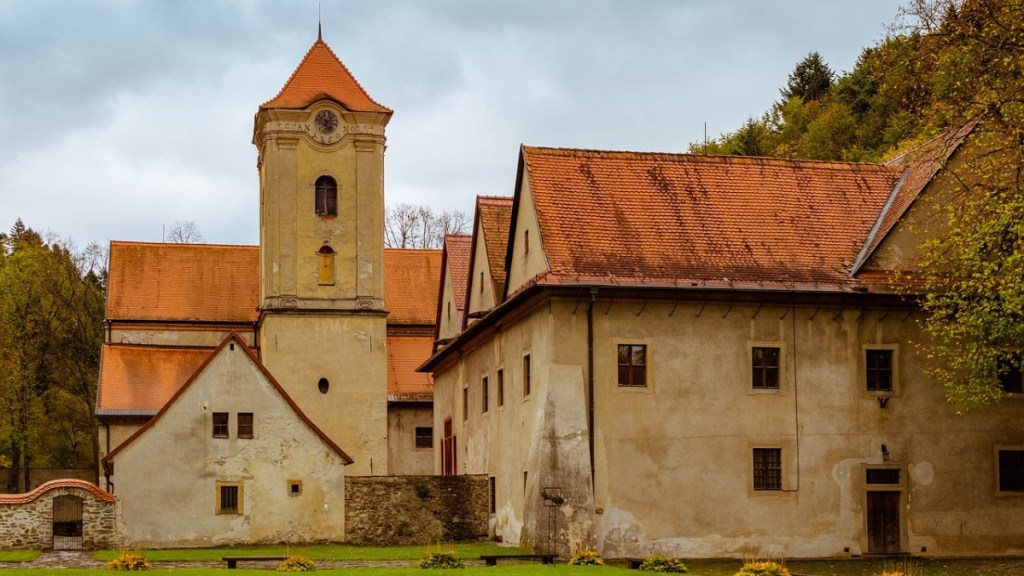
column 404, row 458
column 27, row 523
column 397, row 510
column 673, row 459
column 177, row 461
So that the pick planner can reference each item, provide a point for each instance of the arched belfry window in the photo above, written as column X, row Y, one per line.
column 326, row 196
column 325, row 268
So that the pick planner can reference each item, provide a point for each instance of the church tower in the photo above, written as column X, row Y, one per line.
column 322, row 329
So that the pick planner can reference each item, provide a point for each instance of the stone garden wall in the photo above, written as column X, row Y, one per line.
column 402, row 510
column 26, row 520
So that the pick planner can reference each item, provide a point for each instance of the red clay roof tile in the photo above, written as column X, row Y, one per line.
column 140, row 379
column 33, row 495
column 495, row 216
column 405, row 354
column 322, row 75
column 457, row 251
column 184, row 282
column 411, row 279
column 644, row 218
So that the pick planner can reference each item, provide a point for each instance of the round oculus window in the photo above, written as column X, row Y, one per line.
column 323, row 385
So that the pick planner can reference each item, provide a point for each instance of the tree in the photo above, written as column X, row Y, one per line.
column 185, row 232
column 810, row 80
column 51, row 314
column 408, row 226
column 974, row 273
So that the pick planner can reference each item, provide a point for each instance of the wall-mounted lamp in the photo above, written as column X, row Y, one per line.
column 885, row 453
column 882, row 401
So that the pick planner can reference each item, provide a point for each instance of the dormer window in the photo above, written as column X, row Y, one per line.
column 326, row 196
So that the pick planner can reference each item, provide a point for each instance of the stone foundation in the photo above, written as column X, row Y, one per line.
column 27, row 520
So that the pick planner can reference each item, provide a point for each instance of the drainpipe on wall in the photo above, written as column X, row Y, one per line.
column 106, row 469
column 590, row 383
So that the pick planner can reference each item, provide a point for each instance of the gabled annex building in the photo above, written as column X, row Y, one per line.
column 705, row 356
column 239, row 385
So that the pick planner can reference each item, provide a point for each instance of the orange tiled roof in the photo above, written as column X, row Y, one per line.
column 33, row 495
column 231, row 338
column 206, row 282
column 495, row 215
column 405, row 354
column 140, row 379
column 322, row 75
column 411, row 279
column 646, row 218
column 457, row 251
column 921, row 163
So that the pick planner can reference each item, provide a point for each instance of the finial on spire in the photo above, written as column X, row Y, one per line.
column 319, row 28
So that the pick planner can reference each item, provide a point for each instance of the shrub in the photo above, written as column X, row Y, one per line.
column 763, row 569
column 586, row 558
column 441, row 560
column 659, row 563
column 129, row 561
column 296, row 564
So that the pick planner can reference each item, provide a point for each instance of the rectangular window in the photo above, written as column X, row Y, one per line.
column 633, row 365
column 765, row 362
column 424, row 437
column 220, row 424
column 1011, row 470
column 494, row 497
column 501, row 388
column 1010, row 380
column 294, row 487
column 767, row 468
column 484, row 400
column 465, row 404
column 245, row 424
column 878, row 364
column 882, row 476
column 526, row 375
column 229, row 498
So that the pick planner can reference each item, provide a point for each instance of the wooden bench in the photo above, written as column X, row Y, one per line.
column 492, row 560
column 234, row 560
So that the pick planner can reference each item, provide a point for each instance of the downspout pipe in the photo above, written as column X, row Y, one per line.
column 590, row 383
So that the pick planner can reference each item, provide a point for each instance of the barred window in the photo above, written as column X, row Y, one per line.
column 424, row 437
column 229, row 498
column 767, row 468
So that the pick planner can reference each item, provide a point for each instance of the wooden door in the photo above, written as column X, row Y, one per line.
column 884, row 522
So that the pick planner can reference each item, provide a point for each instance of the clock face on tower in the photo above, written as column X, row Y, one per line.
column 326, row 121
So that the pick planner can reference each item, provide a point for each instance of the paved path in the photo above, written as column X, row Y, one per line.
column 81, row 559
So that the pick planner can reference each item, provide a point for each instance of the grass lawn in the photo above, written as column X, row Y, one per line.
column 316, row 552
column 18, row 555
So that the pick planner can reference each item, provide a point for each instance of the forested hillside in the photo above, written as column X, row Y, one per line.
column 51, row 317
column 945, row 63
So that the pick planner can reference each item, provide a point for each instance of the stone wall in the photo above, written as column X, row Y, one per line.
column 26, row 520
column 402, row 510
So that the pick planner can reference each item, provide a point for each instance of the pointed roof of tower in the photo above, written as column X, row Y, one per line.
column 322, row 75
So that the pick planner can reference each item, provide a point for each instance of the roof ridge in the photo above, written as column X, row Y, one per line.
column 181, row 244
column 709, row 158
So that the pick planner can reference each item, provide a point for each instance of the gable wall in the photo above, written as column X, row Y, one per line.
column 283, row 449
column 480, row 291
column 450, row 316
column 525, row 265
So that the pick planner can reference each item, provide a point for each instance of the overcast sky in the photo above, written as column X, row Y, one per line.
column 120, row 117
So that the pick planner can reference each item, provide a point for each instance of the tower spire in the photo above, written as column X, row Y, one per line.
column 319, row 28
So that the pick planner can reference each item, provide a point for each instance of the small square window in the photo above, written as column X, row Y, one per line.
column 245, row 424
column 1011, row 470
column 424, row 437
column 220, row 424
column 765, row 363
column 879, row 369
column 229, row 498
column 484, row 400
column 1010, row 380
column 294, row 487
column 767, row 468
column 633, row 365
column 526, row 375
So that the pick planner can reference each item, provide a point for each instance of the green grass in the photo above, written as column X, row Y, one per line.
column 19, row 555
column 316, row 552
